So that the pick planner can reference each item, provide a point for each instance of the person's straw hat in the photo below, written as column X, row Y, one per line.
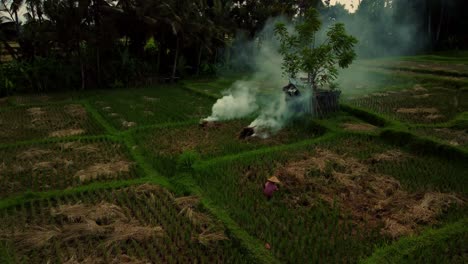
column 274, row 179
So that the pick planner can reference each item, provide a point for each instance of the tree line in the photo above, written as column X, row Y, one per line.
column 84, row 44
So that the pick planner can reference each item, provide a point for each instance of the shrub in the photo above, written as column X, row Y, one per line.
column 186, row 160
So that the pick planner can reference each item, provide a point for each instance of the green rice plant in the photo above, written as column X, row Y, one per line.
column 164, row 145
column 427, row 67
column 52, row 121
column 212, row 87
column 444, row 245
column 428, row 105
column 186, row 160
column 62, row 164
column 450, row 136
column 311, row 230
column 126, row 109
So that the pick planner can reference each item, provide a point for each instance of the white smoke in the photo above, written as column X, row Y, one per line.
column 239, row 101
column 262, row 92
column 272, row 117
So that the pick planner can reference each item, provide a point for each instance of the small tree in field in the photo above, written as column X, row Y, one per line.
column 320, row 61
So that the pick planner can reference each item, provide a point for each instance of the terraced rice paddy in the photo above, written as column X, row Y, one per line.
column 131, row 176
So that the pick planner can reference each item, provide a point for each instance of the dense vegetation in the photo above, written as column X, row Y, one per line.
column 80, row 44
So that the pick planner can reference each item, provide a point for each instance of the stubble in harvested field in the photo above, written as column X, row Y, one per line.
column 338, row 192
column 417, row 105
column 140, row 223
column 139, row 107
column 372, row 199
column 61, row 165
column 26, row 123
column 212, row 140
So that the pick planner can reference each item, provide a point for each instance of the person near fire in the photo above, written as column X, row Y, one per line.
column 270, row 187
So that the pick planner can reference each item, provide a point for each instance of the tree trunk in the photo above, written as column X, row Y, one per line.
column 158, row 62
column 176, row 57
column 82, row 68
column 441, row 20
column 98, row 66
column 429, row 20
column 199, row 59
column 17, row 23
column 82, row 75
column 10, row 49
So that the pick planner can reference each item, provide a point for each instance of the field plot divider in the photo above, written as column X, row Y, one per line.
column 161, row 125
column 274, row 149
column 36, row 196
column 397, row 133
column 427, row 145
column 401, row 249
column 370, row 117
column 423, row 71
column 187, row 87
column 95, row 114
column 459, row 121
column 59, row 140
column 58, row 103
column 417, row 76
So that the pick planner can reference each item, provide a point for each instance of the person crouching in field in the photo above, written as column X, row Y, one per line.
column 270, row 187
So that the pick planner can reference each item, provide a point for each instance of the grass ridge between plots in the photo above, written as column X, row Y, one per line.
column 32, row 196
column 423, row 144
column 188, row 87
column 162, row 125
column 370, row 117
column 59, row 140
column 405, row 249
column 424, row 71
column 94, row 113
column 398, row 134
column 417, row 76
column 268, row 150
column 14, row 106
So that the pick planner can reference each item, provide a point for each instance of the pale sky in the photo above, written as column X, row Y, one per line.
column 347, row 3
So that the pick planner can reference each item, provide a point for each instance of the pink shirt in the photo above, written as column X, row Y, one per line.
column 269, row 188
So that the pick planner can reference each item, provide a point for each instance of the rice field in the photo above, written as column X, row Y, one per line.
column 346, row 194
column 64, row 164
column 444, row 66
column 167, row 145
column 140, row 224
column 147, row 106
column 421, row 104
column 132, row 176
column 46, row 121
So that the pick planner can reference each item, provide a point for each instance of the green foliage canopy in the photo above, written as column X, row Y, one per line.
column 301, row 52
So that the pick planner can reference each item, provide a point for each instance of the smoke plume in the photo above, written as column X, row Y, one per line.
column 377, row 25
column 261, row 93
column 239, row 101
